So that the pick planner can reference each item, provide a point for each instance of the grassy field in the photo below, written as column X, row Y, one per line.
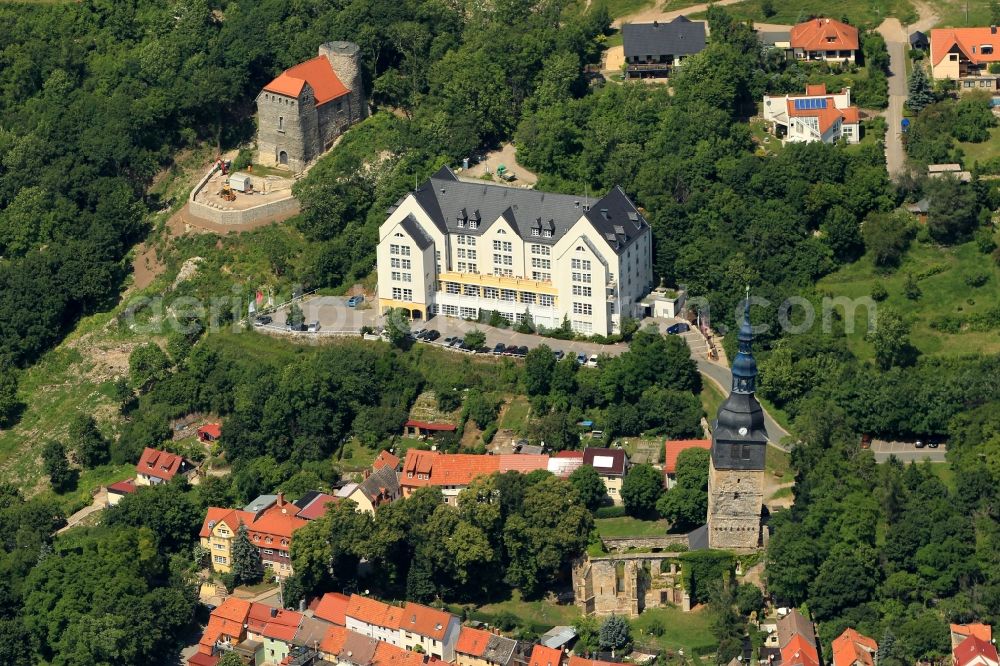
column 516, row 416
column 627, row 526
column 952, row 13
column 711, row 398
column 859, row 12
column 539, row 616
column 944, row 472
column 944, row 292
column 622, row 7
column 981, row 151
column 779, row 463
column 690, row 632
column 767, row 143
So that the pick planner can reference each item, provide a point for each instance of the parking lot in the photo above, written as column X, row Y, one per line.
column 332, row 314
column 906, row 451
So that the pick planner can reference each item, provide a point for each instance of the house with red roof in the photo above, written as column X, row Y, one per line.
column 477, row 647
column 119, row 489
column 965, row 55
column 974, row 651
column 380, row 486
column 854, row 649
column 671, row 450
column 373, row 618
column 226, row 628
column 314, row 504
column 156, row 467
column 545, row 656
column 959, row 632
column 270, row 529
column 797, row 640
column 583, row 661
column 824, row 39
column 453, row 472
column 274, row 628
column 331, row 607
column 386, row 459
column 433, row 631
column 814, row 116
column 302, row 111
column 209, row 432
column 390, row 655
column 563, row 463
column 612, row 466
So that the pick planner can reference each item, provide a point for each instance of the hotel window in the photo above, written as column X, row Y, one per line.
column 581, row 291
column 539, row 276
column 506, row 246
column 546, row 233
column 473, row 268
column 472, row 254
column 219, row 559
column 470, row 241
column 396, row 275
column 462, row 267
column 491, row 293
column 527, row 297
column 508, row 295
column 473, row 224
column 541, row 263
column 586, row 327
column 544, row 250
column 461, row 253
column 470, row 290
column 399, row 295
column 583, row 308
column 268, row 551
column 451, row 287
column 581, row 277
column 503, row 272
column 407, row 277
column 449, row 311
column 469, row 313
column 546, row 300
column 220, row 546
column 582, row 264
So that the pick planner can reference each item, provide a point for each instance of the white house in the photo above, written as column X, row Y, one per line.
column 813, row 116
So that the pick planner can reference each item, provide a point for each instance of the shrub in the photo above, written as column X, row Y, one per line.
column 977, row 279
column 610, row 512
column 910, row 288
column 985, row 241
column 243, row 159
column 879, row 292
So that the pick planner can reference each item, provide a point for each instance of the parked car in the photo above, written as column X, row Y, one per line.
column 457, row 343
column 919, row 444
column 678, row 328
column 522, row 351
column 355, row 301
column 558, row 354
column 449, row 340
column 510, row 350
column 933, row 444
column 313, row 326
column 432, row 335
column 592, row 361
column 581, row 358
column 498, row 349
column 263, row 320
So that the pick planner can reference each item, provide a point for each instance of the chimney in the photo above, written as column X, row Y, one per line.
column 274, row 612
column 656, row 24
column 993, row 29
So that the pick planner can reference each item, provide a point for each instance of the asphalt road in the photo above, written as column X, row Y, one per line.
column 723, row 378
column 906, row 452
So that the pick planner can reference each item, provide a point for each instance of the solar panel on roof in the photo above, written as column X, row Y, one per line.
column 810, row 104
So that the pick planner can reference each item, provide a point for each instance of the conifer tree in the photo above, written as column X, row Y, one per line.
column 247, row 567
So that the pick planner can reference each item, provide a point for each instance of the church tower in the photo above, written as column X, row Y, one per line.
column 736, row 467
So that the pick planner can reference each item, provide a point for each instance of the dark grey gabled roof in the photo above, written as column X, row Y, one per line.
column 679, row 37
column 414, row 231
column 382, row 479
column 446, row 199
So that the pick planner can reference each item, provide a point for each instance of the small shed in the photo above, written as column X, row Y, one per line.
column 919, row 41
column 241, row 182
column 209, row 432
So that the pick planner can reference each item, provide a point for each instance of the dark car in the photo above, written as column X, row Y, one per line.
column 933, row 444
column 558, row 354
column 432, row 335
column 678, row 328
column 263, row 320
column 919, row 444
column 447, row 342
column 522, row 351
column 498, row 349
column 510, row 350
column 581, row 358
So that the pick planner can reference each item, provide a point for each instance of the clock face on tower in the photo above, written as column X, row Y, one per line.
column 743, row 431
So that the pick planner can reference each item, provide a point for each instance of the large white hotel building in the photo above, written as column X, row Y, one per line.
column 458, row 248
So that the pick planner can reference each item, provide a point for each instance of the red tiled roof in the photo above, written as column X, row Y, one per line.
column 317, row 507
column 200, row 659
column 581, row 661
column 545, row 656
column 973, row 648
column 332, row 607
column 799, row 651
column 816, row 35
column 214, row 430
column 387, row 654
column 943, row 40
column 826, row 116
column 386, row 459
column 853, row 648
column 424, row 620
column 983, row 631
column 122, row 487
column 472, row 641
column 267, row 530
column 373, row 612
column 429, row 425
column 673, row 447
column 276, row 623
column 851, row 114
column 160, row 464
column 318, row 73
column 816, row 89
column 226, row 620
column 333, row 642
column 522, row 462
column 569, row 454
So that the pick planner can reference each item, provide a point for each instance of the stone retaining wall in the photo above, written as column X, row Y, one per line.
column 624, row 544
column 283, row 208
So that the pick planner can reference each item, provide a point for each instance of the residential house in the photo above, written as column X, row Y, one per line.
column 314, row 504
column 358, row 650
column 854, row 649
column 433, row 631
column 476, row 647
column 374, row 619
column 964, row 55
column 612, row 466
column 380, row 487
column 226, row 628
column 274, row 628
column 452, row 473
column 390, row 655
column 824, row 39
column 386, row 459
column 563, row 463
column 959, row 632
column 952, row 170
column 797, row 641
column 459, row 248
column 776, row 39
column 545, row 656
column 920, row 209
column 209, row 432
column 332, row 643
column 654, row 49
column 425, row 429
column 813, row 116
column 331, row 607
column 156, row 467
column 118, row 490
column 919, row 41
column 671, row 450
column 974, row 651
column 270, row 529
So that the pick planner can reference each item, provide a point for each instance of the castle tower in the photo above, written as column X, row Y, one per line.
column 345, row 57
column 736, row 466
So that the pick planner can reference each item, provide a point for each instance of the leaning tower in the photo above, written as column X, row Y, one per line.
column 736, row 466
column 345, row 57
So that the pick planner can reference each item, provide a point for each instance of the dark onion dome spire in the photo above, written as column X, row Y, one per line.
column 744, row 365
column 740, row 419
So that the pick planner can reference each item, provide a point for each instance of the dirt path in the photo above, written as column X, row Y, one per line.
column 654, row 13
column 897, row 42
column 99, row 504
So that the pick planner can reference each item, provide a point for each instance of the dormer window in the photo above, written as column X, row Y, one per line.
column 546, row 233
column 461, row 223
column 536, row 232
column 473, row 224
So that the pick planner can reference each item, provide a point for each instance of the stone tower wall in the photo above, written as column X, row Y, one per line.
column 345, row 57
column 287, row 124
column 735, row 501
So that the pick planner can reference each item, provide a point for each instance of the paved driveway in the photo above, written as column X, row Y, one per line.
column 906, row 452
column 332, row 314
